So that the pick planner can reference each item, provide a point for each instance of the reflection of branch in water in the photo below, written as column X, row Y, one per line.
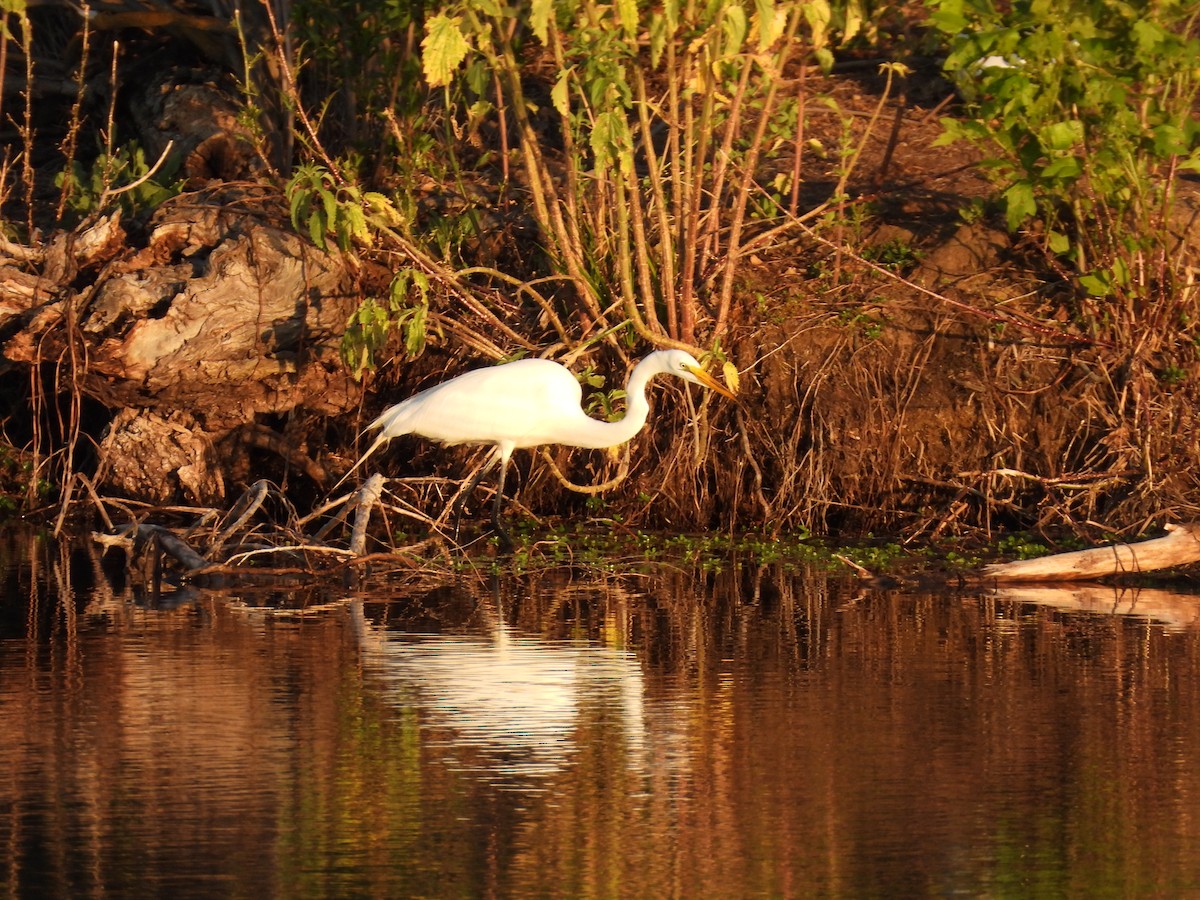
column 1176, row 611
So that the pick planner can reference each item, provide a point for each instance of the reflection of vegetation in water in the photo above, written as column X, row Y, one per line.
column 357, row 804
column 800, row 736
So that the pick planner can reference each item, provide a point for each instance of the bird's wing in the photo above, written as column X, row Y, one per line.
column 521, row 402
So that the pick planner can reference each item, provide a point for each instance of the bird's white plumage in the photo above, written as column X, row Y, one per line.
column 527, row 403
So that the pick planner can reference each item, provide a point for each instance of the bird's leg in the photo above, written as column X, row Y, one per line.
column 506, row 542
column 461, row 501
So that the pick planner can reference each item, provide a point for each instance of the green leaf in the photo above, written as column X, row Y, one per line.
column 1120, row 272
column 1019, row 204
column 660, row 31
column 627, row 14
column 421, row 281
column 540, row 12
column 329, row 203
column 382, row 211
column 299, row 199
column 734, row 28
column 770, row 22
column 670, row 9
column 443, row 49
column 948, row 16
column 414, row 330
column 1169, row 140
column 317, row 229
column 601, row 140
column 1067, row 167
column 560, row 94
column 356, row 224
column 819, row 14
column 1062, row 135
column 1096, row 284
column 852, row 22
column 1058, row 243
column 1148, row 35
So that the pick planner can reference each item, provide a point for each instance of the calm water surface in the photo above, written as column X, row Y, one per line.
column 744, row 734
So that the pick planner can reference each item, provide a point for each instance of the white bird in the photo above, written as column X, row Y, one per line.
column 527, row 403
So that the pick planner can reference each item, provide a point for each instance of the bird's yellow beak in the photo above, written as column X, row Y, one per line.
column 709, row 382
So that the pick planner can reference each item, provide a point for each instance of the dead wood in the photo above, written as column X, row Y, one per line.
column 139, row 539
column 198, row 111
column 220, row 318
column 1180, row 546
column 253, row 545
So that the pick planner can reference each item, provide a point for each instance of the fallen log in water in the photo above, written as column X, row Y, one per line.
column 1180, row 546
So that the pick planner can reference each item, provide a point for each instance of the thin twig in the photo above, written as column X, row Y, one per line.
column 109, row 193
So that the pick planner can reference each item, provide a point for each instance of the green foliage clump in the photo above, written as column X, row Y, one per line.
column 336, row 213
column 1085, row 109
column 371, row 325
column 121, row 175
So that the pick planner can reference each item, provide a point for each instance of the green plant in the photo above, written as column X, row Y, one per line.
column 894, row 254
column 1085, row 109
column 664, row 113
column 1021, row 546
column 607, row 404
column 324, row 207
column 122, row 175
column 372, row 324
column 871, row 326
column 1172, row 374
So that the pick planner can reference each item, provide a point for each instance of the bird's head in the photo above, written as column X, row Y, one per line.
column 683, row 364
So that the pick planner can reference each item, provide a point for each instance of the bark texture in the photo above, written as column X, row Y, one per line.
column 219, row 320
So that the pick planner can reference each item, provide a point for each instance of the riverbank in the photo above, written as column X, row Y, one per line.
column 907, row 364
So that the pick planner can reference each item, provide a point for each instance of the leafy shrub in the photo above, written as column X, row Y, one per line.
column 1085, row 109
column 323, row 207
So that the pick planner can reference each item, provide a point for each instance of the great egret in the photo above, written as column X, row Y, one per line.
column 527, row 403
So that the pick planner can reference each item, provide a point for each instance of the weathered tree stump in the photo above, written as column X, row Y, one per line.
column 221, row 319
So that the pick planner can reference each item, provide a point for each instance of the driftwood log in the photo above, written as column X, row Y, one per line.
column 203, row 338
column 1180, row 546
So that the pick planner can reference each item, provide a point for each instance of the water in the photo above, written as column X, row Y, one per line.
column 745, row 734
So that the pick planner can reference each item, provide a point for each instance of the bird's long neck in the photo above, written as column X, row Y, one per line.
column 610, row 434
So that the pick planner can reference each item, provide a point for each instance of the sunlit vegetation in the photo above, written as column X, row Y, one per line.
column 586, row 181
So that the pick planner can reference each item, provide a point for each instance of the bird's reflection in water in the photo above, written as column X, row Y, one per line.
column 519, row 702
